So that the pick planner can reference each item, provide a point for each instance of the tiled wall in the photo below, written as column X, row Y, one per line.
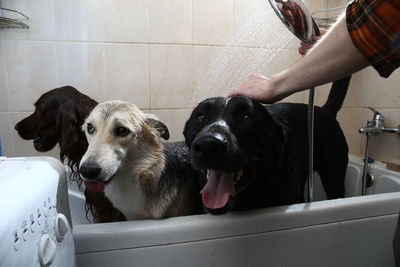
column 164, row 56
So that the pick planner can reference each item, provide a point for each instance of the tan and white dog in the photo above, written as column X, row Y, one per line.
column 141, row 175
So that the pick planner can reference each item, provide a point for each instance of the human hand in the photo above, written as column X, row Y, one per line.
column 258, row 87
column 304, row 47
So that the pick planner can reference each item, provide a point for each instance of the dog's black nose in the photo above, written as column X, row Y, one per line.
column 210, row 146
column 16, row 127
column 90, row 171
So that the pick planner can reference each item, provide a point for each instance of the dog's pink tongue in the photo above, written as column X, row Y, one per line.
column 95, row 186
column 218, row 190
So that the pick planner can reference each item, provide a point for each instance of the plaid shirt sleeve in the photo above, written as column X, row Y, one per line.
column 374, row 27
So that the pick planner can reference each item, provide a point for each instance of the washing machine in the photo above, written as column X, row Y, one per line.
column 35, row 222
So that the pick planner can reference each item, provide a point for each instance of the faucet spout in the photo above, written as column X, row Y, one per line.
column 370, row 130
column 395, row 130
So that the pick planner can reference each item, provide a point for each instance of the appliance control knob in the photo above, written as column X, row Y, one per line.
column 47, row 250
column 61, row 226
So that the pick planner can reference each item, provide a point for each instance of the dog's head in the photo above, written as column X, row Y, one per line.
column 227, row 138
column 58, row 117
column 119, row 133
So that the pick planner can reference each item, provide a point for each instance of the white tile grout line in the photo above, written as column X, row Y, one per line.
column 137, row 43
column 55, row 45
column 5, row 74
column 148, row 50
column 8, row 100
column 149, row 75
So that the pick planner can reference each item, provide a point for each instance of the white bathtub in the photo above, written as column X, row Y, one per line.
column 354, row 231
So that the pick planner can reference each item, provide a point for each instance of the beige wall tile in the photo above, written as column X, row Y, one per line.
column 175, row 120
column 127, row 73
column 81, row 65
column 350, row 120
column 212, row 21
column 354, row 92
column 126, row 20
column 256, row 25
column 338, row 3
column 352, row 98
column 79, row 20
column 170, row 21
column 171, row 76
column 31, row 70
column 41, row 19
column 320, row 94
column 3, row 81
column 218, row 69
column 315, row 5
column 300, row 97
column 239, row 36
column 6, row 137
column 209, row 73
column 278, row 60
column 243, row 10
column 380, row 92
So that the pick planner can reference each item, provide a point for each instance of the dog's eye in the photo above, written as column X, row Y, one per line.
column 200, row 118
column 90, row 128
column 121, row 131
column 247, row 118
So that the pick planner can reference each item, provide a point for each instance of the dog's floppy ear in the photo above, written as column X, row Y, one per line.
column 68, row 132
column 154, row 122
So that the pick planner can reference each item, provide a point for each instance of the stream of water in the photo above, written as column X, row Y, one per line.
column 261, row 44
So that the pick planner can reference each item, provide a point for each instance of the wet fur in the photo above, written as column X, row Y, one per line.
column 270, row 148
column 145, row 178
column 57, row 119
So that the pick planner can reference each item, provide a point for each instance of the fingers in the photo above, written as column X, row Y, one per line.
column 244, row 87
column 304, row 47
column 232, row 92
column 255, row 76
column 253, row 87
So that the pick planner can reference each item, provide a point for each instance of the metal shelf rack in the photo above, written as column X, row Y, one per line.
column 12, row 19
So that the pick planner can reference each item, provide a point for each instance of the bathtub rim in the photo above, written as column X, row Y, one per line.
column 146, row 233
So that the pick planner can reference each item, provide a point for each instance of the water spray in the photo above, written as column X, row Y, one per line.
column 295, row 15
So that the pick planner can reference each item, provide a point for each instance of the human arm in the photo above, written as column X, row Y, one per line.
column 332, row 58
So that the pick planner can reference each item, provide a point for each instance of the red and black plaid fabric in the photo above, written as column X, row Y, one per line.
column 374, row 26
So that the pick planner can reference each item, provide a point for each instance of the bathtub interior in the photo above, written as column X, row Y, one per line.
column 352, row 231
column 385, row 181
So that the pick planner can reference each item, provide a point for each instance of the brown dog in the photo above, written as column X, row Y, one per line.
column 57, row 119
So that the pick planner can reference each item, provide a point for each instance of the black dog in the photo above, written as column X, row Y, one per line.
column 256, row 157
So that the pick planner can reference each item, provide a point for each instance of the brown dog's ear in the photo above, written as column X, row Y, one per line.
column 68, row 133
column 161, row 128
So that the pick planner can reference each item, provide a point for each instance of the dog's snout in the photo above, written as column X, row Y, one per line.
column 210, row 146
column 16, row 127
column 90, row 171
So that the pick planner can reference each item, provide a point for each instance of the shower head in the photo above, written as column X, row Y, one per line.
column 295, row 15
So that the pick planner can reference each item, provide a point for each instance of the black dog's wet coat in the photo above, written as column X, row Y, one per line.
column 177, row 174
column 270, row 145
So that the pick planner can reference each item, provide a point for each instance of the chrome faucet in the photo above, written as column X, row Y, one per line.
column 376, row 125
